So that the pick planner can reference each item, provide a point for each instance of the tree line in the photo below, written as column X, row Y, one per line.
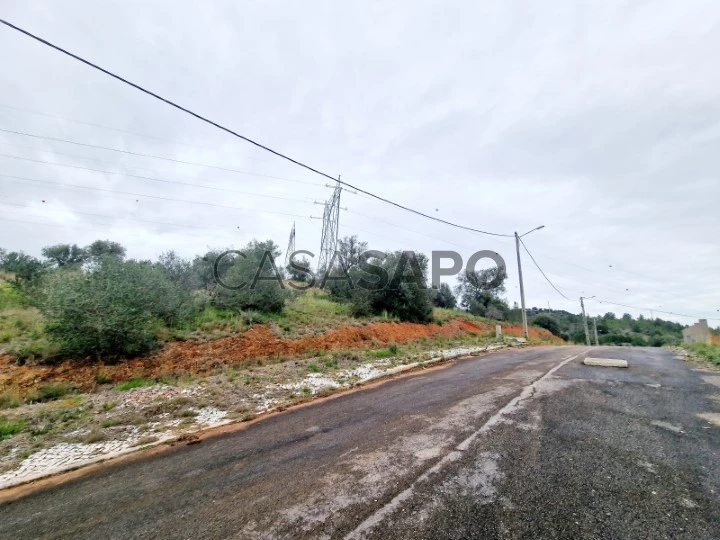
column 96, row 302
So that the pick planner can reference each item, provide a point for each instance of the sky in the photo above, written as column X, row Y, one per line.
column 598, row 120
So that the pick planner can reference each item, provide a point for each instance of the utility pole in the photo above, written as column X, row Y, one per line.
column 585, row 324
column 597, row 341
column 522, row 288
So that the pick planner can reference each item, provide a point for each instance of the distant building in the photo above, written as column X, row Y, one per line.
column 697, row 333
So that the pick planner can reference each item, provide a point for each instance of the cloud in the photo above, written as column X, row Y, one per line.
column 599, row 121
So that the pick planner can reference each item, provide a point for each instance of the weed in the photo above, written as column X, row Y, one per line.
column 387, row 352
column 110, row 422
column 710, row 353
column 102, row 378
column 49, row 392
column 330, row 363
column 313, row 367
column 41, row 430
column 9, row 400
column 137, row 382
column 146, row 440
column 95, row 436
column 306, row 390
column 8, row 428
column 187, row 413
column 109, row 405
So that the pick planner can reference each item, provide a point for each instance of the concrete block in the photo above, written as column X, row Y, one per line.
column 605, row 362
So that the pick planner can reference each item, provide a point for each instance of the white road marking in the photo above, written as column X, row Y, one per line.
column 526, row 393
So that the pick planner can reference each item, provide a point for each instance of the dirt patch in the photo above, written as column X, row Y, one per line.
column 260, row 342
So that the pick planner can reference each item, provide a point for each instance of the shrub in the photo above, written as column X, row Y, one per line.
column 257, row 278
column 547, row 322
column 403, row 293
column 114, row 309
column 444, row 297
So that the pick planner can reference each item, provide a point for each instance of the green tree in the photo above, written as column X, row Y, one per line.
column 113, row 309
column 444, row 297
column 396, row 285
column 547, row 322
column 297, row 275
column 25, row 267
column 105, row 248
column 252, row 281
column 64, row 254
column 179, row 270
column 480, row 292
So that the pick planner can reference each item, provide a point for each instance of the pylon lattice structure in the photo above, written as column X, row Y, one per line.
column 291, row 245
column 330, row 229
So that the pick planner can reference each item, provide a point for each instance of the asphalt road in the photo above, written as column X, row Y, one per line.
column 514, row 444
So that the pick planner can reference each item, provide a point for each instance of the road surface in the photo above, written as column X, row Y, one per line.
column 515, row 444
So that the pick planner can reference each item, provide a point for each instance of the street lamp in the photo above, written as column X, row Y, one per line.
column 522, row 288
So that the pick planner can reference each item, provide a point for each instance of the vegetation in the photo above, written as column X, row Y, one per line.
column 480, row 293
column 92, row 302
column 611, row 329
column 444, row 297
column 704, row 351
column 384, row 283
column 8, row 428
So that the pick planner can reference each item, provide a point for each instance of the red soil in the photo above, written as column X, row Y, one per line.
column 258, row 342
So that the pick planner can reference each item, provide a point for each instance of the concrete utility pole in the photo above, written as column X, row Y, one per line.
column 597, row 341
column 585, row 324
column 522, row 287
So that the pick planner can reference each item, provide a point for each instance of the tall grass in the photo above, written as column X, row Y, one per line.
column 709, row 353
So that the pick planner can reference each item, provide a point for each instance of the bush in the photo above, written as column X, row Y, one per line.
column 405, row 294
column 547, row 322
column 114, row 309
column 266, row 294
column 711, row 353
column 444, row 297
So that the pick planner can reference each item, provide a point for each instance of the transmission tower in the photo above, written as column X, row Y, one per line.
column 291, row 245
column 330, row 229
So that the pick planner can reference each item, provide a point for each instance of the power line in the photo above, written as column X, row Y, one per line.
column 75, row 186
column 153, row 156
column 238, row 135
column 176, row 226
column 305, row 201
column 541, row 271
column 100, row 126
column 76, row 211
column 655, row 310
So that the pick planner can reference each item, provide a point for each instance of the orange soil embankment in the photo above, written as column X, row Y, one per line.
column 258, row 342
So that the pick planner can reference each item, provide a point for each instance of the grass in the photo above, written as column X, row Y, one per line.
column 102, row 378
column 9, row 400
column 8, row 428
column 387, row 352
column 137, row 382
column 709, row 353
column 49, row 392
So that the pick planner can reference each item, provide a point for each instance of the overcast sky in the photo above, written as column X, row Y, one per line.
column 599, row 120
